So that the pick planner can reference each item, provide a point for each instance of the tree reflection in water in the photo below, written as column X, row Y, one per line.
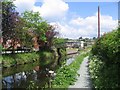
column 37, row 76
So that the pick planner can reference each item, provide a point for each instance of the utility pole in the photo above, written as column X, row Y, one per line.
column 98, row 22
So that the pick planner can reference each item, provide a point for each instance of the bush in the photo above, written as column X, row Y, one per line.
column 107, row 48
column 103, row 76
column 19, row 59
column 105, row 61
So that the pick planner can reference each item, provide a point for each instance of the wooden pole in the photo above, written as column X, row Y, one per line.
column 98, row 22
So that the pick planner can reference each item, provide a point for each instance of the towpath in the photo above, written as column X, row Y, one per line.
column 84, row 80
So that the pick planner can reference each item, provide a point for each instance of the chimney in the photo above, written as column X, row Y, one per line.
column 98, row 22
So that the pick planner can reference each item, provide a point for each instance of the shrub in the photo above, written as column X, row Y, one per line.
column 103, row 76
column 105, row 61
column 107, row 48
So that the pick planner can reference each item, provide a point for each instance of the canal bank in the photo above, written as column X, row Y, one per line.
column 31, row 75
column 11, row 60
column 35, row 76
column 66, row 75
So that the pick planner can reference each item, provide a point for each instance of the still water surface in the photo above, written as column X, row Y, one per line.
column 23, row 76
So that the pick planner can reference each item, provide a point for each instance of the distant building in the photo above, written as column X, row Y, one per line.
column 13, row 43
column 71, row 43
column 82, row 44
column 35, row 44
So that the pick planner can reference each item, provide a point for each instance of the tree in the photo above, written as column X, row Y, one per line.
column 94, row 38
column 9, row 22
column 39, row 28
column 80, row 38
column 50, row 34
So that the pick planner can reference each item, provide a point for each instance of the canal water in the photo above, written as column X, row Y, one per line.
column 33, row 74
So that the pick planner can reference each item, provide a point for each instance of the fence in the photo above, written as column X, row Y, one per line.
column 16, row 51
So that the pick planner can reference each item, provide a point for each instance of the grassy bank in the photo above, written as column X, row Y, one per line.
column 66, row 75
column 45, row 57
column 24, row 58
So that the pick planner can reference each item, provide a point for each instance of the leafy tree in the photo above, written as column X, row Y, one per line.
column 94, row 38
column 9, row 22
column 59, row 42
column 80, row 38
column 50, row 35
column 35, row 26
column 39, row 28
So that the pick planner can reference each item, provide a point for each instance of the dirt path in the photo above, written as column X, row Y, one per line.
column 84, row 80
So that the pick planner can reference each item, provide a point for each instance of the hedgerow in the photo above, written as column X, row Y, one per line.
column 105, row 61
column 107, row 48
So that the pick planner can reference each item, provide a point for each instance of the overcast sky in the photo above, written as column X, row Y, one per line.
column 74, row 19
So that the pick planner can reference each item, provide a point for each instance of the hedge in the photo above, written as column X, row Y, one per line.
column 107, row 48
column 105, row 61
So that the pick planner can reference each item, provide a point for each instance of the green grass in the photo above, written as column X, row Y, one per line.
column 66, row 75
column 23, row 58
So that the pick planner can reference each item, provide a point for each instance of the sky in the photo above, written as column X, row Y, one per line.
column 74, row 19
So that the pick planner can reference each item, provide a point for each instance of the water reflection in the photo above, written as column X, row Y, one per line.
column 70, row 59
column 23, row 79
column 30, row 74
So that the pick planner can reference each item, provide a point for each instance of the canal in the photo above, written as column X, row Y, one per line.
column 33, row 74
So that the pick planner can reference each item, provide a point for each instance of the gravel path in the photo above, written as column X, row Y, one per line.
column 84, row 80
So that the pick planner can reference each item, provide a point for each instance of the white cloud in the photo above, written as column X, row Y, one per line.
column 23, row 5
column 55, row 10
column 52, row 9
column 87, row 27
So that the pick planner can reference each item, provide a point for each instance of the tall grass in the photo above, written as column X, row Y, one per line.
column 66, row 75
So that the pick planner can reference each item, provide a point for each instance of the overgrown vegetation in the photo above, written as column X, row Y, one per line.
column 107, row 48
column 18, row 59
column 23, row 58
column 66, row 75
column 104, row 76
column 46, row 57
column 105, row 61
column 26, row 30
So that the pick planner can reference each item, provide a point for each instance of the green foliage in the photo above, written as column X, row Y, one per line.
column 18, row 59
column 9, row 20
column 8, row 61
column 0, row 47
column 23, row 28
column 63, row 52
column 13, row 70
column 66, row 75
column 46, row 57
column 59, row 42
column 105, row 61
column 107, row 48
column 35, row 24
column 104, row 76
column 23, row 58
column 1, row 58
